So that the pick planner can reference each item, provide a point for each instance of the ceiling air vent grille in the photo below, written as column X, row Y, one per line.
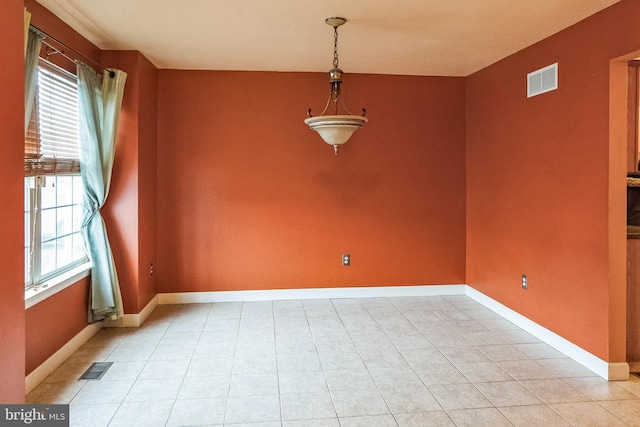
column 542, row 80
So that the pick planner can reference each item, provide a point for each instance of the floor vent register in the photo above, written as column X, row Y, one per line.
column 96, row 371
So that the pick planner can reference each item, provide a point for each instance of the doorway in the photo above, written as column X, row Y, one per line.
column 633, row 218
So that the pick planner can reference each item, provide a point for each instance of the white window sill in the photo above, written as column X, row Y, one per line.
column 55, row 285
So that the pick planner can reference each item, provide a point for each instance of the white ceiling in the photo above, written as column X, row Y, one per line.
column 413, row 37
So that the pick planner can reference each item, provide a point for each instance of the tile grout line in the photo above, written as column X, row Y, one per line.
column 315, row 345
column 360, row 354
column 184, row 377
column 275, row 348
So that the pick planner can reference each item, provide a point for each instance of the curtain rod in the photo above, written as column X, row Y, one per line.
column 61, row 52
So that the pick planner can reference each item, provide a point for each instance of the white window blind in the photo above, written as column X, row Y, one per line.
column 51, row 145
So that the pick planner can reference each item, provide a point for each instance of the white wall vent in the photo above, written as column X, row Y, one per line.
column 542, row 81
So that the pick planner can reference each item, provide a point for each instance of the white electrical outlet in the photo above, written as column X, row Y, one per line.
column 346, row 260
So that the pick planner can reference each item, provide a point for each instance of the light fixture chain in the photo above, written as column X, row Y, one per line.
column 335, row 47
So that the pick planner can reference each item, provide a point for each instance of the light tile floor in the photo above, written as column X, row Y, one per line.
column 428, row 361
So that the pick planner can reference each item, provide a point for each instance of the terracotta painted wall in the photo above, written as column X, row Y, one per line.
column 250, row 198
column 12, row 327
column 49, row 329
column 538, row 184
column 130, row 210
column 147, row 179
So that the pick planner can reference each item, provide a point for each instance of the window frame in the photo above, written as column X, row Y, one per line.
column 37, row 285
column 34, row 276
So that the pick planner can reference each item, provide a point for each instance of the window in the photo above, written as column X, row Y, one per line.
column 53, row 188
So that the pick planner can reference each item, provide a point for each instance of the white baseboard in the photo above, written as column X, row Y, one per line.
column 309, row 293
column 56, row 359
column 608, row 371
column 133, row 320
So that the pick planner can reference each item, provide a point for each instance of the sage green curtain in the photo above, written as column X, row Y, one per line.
column 100, row 99
column 34, row 42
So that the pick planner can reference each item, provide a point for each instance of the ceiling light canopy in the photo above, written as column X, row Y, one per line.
column 335, row 129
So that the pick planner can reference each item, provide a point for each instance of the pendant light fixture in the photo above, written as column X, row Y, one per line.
column 335, row 129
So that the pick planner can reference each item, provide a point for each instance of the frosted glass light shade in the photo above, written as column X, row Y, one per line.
column 335, row 130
